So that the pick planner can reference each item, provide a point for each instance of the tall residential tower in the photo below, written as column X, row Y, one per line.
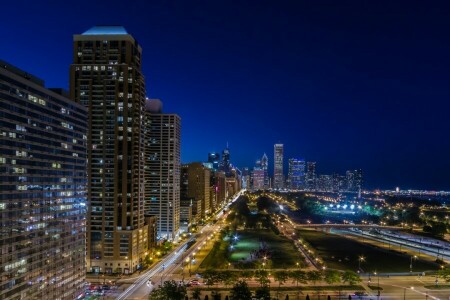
column 43, row 190
column 106, row 78
column 162, row 168
column 278, row 177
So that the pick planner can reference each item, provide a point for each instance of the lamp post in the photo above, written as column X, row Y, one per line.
column 378, row 280
column 411, row 263
column 360, row 259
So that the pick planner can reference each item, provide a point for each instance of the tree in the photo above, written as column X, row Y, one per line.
column 445, row 274
column 247, row 274
column 240, row 291
column 307, row 297
column 196, row 293
column 314, row 276
column 170, row 290
column 227, row 277
column 262, row 293
column 298, row 276
column 262, row 276
column 281, row 277
column 332, row 276
column 211, row 277
column 350, row 277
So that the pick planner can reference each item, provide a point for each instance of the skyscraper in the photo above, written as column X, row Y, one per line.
column 106, row 77
column 43, row 190
column 265, row 168
column 310, row 177
column 162, row 169
column 278, row 177
column 258, row 176
column 214, row 159
column 296, row 173
column 225, row 163
column 198, row 188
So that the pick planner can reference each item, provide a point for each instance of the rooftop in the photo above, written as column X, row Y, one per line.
column 106, row 30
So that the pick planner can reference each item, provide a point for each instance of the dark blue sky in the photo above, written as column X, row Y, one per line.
column 349, row 84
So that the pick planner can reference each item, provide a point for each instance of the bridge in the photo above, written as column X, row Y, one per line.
column 363, row 226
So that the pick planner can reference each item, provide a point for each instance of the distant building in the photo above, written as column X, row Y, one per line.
column 296, row 175
column 278, row 177
column 225, row 164
column 258, row 179
column 162, row 169
column 354, row 180
column 265, row 168
column 339, row 183
column 310, row 176
column 214, row 159
column 325, row 183
column 106, row 78
column 43, row 194
column 199, row 189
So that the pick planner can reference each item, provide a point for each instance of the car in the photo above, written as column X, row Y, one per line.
column 360, row 293
column 194, row 282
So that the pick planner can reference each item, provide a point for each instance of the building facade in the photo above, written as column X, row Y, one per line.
column 310, row 176
column 278, row 177
column 162, row 170
column 296, row 174
column 199, row 189
column 43, row 190
column 106, row 78
column 214, row 159
column 265, row 168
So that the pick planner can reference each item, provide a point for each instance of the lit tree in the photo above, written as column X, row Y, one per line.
column 350, row 277
column 170, row 290
column 240, row 291
column 298, row 276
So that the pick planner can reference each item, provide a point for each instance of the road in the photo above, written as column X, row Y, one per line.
column 171, row 266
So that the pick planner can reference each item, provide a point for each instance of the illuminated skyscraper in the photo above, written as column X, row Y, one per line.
column 106, row 77
column 162, row 169
column 43, row 190
column 214, row 159
column 296, row 173
column 225, row 163
column 265, row 168
column 258, row 176
column 278, row 177
column 310, row 177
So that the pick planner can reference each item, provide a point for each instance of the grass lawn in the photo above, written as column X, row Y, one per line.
column 283, row 252
column 341, row 253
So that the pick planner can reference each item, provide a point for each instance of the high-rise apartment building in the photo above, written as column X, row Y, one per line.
column 258, row 179
column 43, row 190
column 106, row 78
column 310, row 177
column 199, row 189
column 162, row 169
column 296, row 173
column 354, row 180
column 265, row 168
column 214, row 159
column 278, row 177
column 225, row 163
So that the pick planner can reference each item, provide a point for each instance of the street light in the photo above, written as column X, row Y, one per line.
column 410, row 264
column 360, row 259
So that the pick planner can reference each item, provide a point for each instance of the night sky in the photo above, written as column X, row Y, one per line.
column 349, row 84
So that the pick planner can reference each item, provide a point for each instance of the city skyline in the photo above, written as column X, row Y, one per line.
column 353, row 95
